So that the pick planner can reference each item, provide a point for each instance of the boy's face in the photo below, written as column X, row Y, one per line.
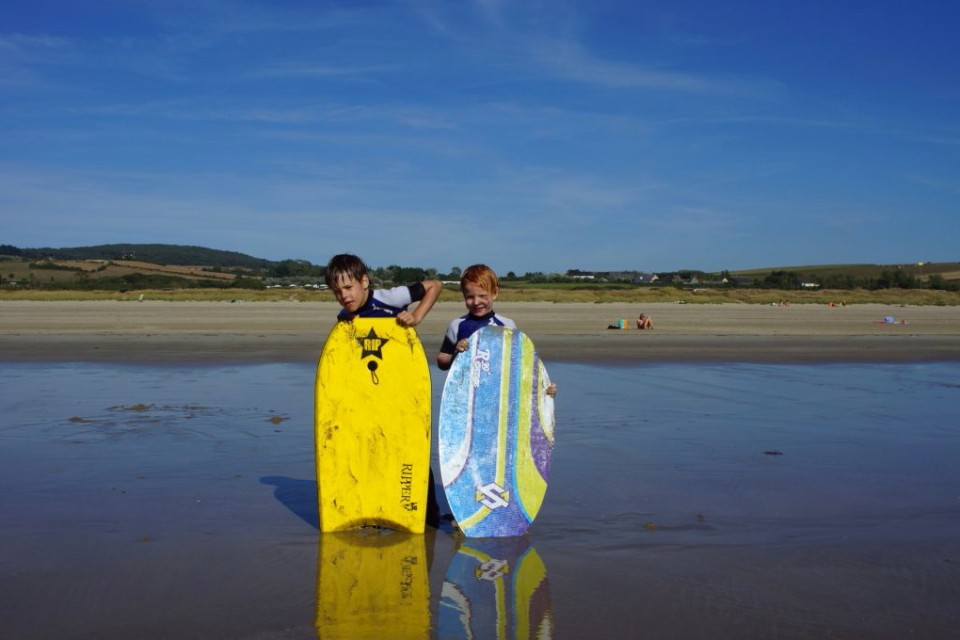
column 479, row 301
column 351, row 293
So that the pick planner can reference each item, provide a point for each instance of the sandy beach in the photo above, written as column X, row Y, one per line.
column 175, row 332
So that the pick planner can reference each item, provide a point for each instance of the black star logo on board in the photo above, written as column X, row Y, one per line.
column 372, row 345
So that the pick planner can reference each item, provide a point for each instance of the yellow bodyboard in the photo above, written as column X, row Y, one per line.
column 372, row 427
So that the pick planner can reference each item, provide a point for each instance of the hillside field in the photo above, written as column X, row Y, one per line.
column 219, row 275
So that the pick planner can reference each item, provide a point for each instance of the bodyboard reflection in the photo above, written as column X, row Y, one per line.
column 372, row 583
column 496, row 588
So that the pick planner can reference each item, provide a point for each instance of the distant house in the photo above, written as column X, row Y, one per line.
column 739, row 281
column 810, row 285
column 645, row 278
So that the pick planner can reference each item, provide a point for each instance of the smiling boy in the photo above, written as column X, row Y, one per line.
column 480, row 289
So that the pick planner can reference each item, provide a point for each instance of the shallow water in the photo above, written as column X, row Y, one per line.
column 727, row 501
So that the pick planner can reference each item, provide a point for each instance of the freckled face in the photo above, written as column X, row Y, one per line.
column 351, row 293
column 479, row 301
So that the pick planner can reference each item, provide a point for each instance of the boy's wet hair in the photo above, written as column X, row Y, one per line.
column 482, row 275
column 344, row 265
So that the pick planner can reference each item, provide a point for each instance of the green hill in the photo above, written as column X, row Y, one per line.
column 62, row 267
column 171, row 254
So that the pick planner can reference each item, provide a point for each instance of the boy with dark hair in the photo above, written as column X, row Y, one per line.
column 348, row 280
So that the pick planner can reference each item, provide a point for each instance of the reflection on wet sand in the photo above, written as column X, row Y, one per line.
column 375, row 583
column 160, row 502
column 495, row 588
column 372, row 582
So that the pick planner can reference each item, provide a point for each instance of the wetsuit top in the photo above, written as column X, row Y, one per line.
column 465, row 326
column 386, row 303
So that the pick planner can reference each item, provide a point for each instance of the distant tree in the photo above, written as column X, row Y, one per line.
column 247, row 283
column 898, row 279
column 407, row 275
column 842, row 281
column 781, row 280
column 937, row 281
column 886, row 280
column 295, row 268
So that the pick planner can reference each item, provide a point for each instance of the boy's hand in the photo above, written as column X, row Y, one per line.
column 407, row 319
column 552, row 390
column 462, row 345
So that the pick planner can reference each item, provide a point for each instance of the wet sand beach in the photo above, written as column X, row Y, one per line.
column 741, row 471
column 171, row 332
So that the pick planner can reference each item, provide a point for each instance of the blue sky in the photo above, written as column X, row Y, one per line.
column 533, row 136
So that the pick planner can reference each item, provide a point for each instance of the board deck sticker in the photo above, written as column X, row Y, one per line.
column 372, row 427
column 496, row 588
column 372, row 583
column 496, row 434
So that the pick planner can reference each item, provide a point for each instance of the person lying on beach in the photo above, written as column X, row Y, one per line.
column 480, row 289
column 349, row 281
column 644, row 322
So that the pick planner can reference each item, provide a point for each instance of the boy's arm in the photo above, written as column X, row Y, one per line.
column 449, row 351
column 431, row 291
column 444, row 361
column 448, row 348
